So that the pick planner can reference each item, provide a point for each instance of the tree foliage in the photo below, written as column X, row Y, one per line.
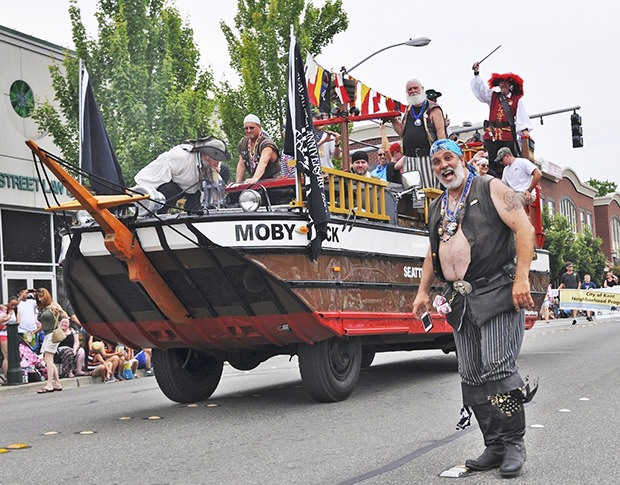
column 583, row 249
column 143, row 67
column 588, row 254
column 258, row 47
column 603, row 187
column 559, row 238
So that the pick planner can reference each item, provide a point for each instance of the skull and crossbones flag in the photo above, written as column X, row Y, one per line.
column 300, row 143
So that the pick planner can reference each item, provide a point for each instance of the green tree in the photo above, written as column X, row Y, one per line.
column 144, row 71
column 559, row 239
column 588, row 255
column 603, row 187
column 258, row 47
column 583, row 249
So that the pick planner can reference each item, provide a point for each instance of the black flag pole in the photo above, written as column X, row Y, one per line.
column 97, row 156
column 300, row 143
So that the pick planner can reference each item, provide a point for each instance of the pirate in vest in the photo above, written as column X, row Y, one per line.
column 420, row 126
column 508, row 118
column 476, row 229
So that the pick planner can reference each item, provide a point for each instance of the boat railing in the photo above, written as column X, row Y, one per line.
column 348, row 193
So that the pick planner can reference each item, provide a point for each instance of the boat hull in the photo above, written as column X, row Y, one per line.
column 249, row 284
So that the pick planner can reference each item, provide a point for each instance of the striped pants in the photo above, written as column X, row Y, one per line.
column 487, row 356
column 425, row 167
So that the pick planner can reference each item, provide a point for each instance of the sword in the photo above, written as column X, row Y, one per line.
column 489, row 54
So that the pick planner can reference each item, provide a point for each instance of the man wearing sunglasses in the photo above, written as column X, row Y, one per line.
column 258, row 154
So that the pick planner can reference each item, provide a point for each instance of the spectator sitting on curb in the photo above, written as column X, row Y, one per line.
column 144, row 361
column 115, row 355
column 97, row 365
column 103, row 356
column 130, row 367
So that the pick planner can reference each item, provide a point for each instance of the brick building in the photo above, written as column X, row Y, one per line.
column 607, row 217
column 567, row 195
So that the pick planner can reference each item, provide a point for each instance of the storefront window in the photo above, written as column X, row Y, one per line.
column 26, row 237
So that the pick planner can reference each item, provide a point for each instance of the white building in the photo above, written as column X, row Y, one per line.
column 29, row 249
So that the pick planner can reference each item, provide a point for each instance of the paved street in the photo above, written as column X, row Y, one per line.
column 261, row 427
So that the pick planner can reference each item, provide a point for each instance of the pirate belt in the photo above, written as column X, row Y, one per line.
column 496, row 124
column 464, row 287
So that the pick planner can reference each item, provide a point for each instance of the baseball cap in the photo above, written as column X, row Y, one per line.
column 502, row 152
column 395, row 147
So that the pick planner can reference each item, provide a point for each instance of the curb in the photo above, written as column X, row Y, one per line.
column 67, row 383
column 31, row 388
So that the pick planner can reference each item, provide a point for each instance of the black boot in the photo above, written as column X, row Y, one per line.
column 489, row 420
column 512, row 432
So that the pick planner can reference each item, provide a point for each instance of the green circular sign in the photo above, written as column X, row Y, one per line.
column 22, row 98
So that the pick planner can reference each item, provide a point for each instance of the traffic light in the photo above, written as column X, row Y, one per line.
column 577, row 132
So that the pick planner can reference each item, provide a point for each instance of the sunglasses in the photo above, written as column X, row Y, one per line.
column 381, row 154
column 249, row 128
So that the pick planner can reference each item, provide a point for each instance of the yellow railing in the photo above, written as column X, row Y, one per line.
column 349, row 193
column 430, row 194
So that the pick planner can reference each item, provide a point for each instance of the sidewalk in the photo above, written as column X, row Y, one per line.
column 67, row 383
column 31, row 388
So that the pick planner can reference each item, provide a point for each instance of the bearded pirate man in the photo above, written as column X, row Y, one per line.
column 419, row 127
column 476, row 229
column 508, row 118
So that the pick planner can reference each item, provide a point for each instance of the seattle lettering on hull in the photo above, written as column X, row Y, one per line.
column 412, row 272
column 275, row 232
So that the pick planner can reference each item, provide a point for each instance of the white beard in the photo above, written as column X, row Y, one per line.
column 459, row 177
column 417, row 99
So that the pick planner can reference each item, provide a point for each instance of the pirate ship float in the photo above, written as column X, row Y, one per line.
column 237, row 284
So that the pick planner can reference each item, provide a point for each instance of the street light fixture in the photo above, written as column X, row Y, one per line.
column 417, row 42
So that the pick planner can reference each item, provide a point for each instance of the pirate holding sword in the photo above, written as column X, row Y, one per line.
column 508, row 118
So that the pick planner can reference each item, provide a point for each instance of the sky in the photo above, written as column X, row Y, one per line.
column 566, row 52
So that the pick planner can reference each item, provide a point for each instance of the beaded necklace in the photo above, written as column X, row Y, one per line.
column 451, row 218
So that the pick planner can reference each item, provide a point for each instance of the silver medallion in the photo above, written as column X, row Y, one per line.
column 417, row 122
column 451, row 228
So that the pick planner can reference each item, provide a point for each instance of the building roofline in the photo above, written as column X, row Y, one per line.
column 33, row 43
column 580, row 187
column 607, row 199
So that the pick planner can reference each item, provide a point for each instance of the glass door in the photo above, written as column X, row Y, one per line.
column 13, row 281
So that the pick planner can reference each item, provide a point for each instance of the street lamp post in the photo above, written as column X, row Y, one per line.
column 417, row 42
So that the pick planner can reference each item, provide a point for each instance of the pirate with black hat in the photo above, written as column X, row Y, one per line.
column 432, row 94
column 178, row 173
column 508, row 118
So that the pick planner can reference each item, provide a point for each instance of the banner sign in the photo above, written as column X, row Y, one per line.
column 588, row 300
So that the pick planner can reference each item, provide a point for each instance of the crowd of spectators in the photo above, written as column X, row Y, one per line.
column 550, row 308
column 79, row 354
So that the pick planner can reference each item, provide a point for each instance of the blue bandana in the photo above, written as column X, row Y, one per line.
column 446, row 144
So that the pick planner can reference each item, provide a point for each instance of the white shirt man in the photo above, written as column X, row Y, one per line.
column 519, row 174
column 27, row 311
column 177, row 172
column 329, row 148
column 179, row 164
column 328, row 142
